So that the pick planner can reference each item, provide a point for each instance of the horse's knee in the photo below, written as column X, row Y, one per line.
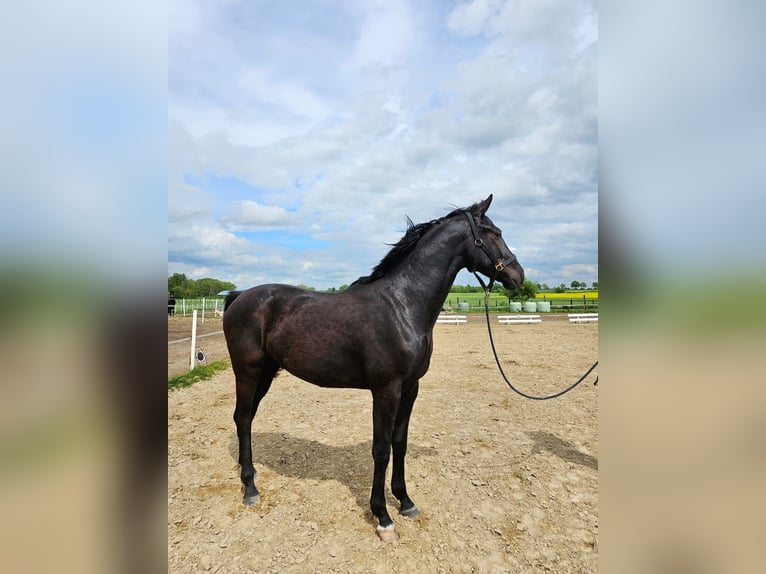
column 399, row 448
column 381, row 454
column 238, row 419
column 243, row 418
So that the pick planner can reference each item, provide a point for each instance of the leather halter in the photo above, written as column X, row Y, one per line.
column 501, row 263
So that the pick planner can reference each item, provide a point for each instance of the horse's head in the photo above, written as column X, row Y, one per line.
column 489, row 255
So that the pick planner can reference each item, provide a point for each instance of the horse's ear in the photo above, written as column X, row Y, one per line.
column 483, row 206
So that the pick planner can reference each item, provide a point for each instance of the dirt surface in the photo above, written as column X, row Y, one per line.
column 210, row 341
column 504, row 484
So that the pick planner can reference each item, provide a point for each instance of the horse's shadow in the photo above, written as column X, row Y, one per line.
column 296, row 457
column 545, row 441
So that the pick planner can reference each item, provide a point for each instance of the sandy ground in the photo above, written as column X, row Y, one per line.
column 504, row 484
column 210, row 341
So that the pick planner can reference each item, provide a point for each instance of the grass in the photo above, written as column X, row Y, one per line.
column 201, row 373
column 498, row 302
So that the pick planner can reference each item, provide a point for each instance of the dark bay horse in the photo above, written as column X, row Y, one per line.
column 376, row 335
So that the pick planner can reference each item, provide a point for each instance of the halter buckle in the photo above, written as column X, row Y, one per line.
column 478, row 242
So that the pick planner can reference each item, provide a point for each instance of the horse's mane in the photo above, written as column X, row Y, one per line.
column 402, row 248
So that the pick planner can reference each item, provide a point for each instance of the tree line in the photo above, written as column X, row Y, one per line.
column 538, row 286
column 181, row 287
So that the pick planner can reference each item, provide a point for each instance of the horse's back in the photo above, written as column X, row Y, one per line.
column 246, row 308
column 267, row 310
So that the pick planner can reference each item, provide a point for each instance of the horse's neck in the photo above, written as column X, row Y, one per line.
column 429, row 271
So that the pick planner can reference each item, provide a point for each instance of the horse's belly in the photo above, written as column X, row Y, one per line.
column 336, row 369
column 327, row 375
column 318, row 363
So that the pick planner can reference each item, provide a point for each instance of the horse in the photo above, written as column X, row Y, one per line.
column 375, row 335
column 171, row 306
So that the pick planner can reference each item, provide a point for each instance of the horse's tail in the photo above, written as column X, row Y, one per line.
column 230, row 298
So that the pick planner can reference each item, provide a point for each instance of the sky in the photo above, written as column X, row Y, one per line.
column 302, row 134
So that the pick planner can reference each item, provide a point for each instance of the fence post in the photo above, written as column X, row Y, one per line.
column 203, row 310
column 193, row 338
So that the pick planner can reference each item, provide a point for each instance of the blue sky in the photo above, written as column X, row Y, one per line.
column 301, row 134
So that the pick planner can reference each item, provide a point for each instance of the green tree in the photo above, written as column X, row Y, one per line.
column 527, row 290
column 575, row 284
column 561, row 288
column 179, row 286
column 595, row 285
column 209, row 287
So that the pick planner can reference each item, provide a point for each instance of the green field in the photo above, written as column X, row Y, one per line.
column 567, row 301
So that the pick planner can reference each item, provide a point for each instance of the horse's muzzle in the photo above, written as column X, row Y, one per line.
column 512, row 277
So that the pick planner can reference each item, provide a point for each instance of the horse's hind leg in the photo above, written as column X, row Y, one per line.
column 399, row 447
column 253, row 382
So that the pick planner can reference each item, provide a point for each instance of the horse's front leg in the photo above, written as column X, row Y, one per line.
column 399, row 446
column 385, row 404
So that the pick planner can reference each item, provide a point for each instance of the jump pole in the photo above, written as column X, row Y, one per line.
column 193, row 338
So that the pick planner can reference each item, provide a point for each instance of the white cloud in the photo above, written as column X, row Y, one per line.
column 385, row 35
column 187, row 203
column 292, row 96
column 576, row 271
column 251, row 214
column 471, row 17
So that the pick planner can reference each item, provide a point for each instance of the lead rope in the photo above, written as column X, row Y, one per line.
column 500, row 367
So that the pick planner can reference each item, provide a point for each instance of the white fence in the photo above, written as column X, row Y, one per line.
column 511, row 319
column 583, row 317
column 452, row 319
column 211, row 306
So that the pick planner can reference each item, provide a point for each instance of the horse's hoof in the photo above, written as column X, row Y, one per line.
column 411, row 512
column 251, row 500
column 387, row 533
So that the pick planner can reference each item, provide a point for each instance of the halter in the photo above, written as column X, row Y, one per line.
column 501, row 263
column 499, row 266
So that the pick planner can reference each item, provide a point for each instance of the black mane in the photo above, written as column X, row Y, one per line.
column 402, row 248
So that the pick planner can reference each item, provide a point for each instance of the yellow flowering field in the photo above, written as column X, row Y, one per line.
column 568, row 295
